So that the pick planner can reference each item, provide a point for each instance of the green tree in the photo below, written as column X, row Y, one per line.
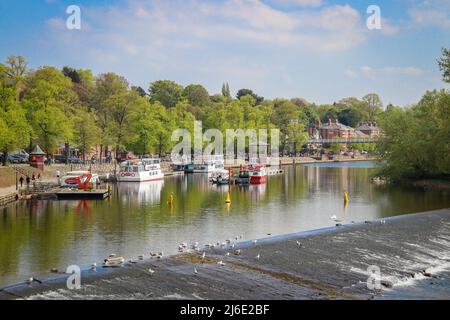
column 87, row 132
column 286, row 117
column 297, row 135
column 167, row 92
column 415, row 140
column 244, row 92
column 152, row 129
column 16, row 66
column 139, row 90
column 123, row 111
column 373, row 106
column 107, row 85
column 196, row 95
column 444, row 64
column 14, row 128
column 50, row 104
column 226, row 91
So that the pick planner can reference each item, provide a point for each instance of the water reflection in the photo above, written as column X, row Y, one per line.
column 40, row 235
column 144, row 193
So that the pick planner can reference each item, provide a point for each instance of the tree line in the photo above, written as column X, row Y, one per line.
column 416, row 140
column 49, row 106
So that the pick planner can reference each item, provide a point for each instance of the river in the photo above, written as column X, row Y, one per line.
column 37, row 236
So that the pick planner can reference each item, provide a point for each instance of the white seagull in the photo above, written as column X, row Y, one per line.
column 220, row 263
column 151, row 271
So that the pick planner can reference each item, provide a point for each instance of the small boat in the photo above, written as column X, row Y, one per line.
column 189, row 168
column 140, row 171
column 258, row 175
column 179, row 163
column 69, row 180
column 221, row 177
column 244, row 176
column 209, row 164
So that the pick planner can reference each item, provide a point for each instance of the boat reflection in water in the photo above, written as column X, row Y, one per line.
column 255, row 191
column 144, row 192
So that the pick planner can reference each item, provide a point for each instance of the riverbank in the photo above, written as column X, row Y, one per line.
column 430, row 184
column 329, row 263
column 7, row 174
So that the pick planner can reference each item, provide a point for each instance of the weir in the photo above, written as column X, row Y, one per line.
column 329, row 263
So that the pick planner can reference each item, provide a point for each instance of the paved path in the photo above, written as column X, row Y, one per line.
column 328, row 264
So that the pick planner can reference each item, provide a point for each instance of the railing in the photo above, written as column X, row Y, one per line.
column 342, row 140
column 8, row 199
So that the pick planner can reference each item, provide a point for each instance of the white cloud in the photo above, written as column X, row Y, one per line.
column 300, row 3
column 374, row 73
column 191, row 23
column 431, row 13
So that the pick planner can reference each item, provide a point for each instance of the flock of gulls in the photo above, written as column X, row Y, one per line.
column 114, row 261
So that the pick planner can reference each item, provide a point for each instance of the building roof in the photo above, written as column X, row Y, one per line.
column 38, row 151
column 336, row 126
column 367, row 127
column 360, row 133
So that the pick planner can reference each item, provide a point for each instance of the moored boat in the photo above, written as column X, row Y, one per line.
column 258, row 175
column 221, row 177
column 244, row 176
column 209, row 164
column 69, row 180
column 140, row 171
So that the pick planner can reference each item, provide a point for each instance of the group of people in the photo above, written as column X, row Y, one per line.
column 29, row 180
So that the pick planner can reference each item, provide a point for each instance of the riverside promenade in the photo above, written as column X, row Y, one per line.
column 332, row 263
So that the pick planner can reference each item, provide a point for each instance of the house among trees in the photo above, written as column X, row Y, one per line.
column 334, row 130
column 369, row 129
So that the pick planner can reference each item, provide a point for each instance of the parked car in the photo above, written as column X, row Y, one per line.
column 17, row 158
column 75, row 160
column 60, row 159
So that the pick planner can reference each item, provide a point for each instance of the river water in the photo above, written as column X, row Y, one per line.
column 37, row 236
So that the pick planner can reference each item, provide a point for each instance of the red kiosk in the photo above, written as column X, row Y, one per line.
column 37, row 158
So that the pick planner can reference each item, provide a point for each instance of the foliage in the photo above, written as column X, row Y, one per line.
column 373, row 106
column 416, row 141
column 444, row 64
column 196, row 95
column 244, row 92
column 87, row 132
column 167, row 92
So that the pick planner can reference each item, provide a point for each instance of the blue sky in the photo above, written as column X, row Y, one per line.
column 320, row 50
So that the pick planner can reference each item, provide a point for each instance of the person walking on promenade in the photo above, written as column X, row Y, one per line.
column 39, row 176
column 28, row 180
column 21, row 180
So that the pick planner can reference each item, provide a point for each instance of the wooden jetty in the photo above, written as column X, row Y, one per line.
column 82, row 195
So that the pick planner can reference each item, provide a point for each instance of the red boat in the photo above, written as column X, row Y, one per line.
column 258, row 175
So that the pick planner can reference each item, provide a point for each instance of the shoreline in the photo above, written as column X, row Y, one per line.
column 330, row 263
column 10, row 191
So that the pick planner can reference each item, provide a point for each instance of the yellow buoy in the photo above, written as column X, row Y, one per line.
column 345, row 198
column 228, row 197
column 170, row 201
